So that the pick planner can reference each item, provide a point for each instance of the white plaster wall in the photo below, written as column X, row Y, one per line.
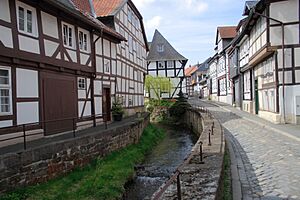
column 97, row 87
column 27, row 112
column 81, row 94
column 162, row 73
column 152, row 73
column 84, row 58
column 297, row 76
column 27, row 83
column 99, row 64
column 6, row 37
column 29, row 44
column 98, row 105
column 290, row 102
column 98, row 45
column 152, row 65
column 50, row 47
column 287, row 77
column 113, row 50
column 50, row 26
column 106, row 47
column 170, row 73
column 72, row 55
column 113, row 67
column 6, row 123
column 286, row 11
column 87, row 110
column 5, row 11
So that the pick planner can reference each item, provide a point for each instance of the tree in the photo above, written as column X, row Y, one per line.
column 158, row 85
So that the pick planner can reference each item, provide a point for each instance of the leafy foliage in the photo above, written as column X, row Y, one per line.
column 117, row 108
column 102, row 179
column 158, row 85
column 178, row 109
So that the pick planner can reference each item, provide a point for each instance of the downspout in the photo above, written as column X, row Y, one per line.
column 94, row 76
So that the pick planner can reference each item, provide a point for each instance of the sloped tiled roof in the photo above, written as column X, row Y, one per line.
column 81, row 11
column 169, row 53
column 84, row 5
column 227, row 32
column 190, row 70
column 105, row 8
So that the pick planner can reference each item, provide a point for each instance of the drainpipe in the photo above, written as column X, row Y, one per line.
column 283, row 61
column 94, row 76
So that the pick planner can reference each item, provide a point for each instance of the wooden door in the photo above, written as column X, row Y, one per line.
column 59, row 96
column 106, row 104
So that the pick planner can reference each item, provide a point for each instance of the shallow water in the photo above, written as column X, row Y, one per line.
column 160, row 164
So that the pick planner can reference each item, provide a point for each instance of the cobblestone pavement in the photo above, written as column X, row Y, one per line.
column 267, row 162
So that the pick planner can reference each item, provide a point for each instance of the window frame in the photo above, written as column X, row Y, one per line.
column 67, row 37
column 160, row 48
column 34, row 25
column 9, row 87
column 85, row 46
column 79, row 83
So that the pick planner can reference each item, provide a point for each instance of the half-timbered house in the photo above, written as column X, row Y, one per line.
column 126, row 73
column 274, row 75
column 163, row 60
column 56, row 64
column 190, row 80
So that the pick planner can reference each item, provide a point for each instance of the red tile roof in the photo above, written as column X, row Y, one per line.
column 106, row 7
column 227, row 32
column 188, row 71
column 83, row 5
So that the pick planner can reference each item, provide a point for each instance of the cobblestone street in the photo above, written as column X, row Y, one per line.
column 265, row 158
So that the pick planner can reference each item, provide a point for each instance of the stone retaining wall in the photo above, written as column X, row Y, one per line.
column 49, row 161
column 201, row 181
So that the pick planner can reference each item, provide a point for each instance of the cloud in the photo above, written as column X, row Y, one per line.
column 153, row 23
column 142, row 3
column 196, row 6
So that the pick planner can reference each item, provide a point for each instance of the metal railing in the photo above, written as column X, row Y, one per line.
column 176, row 175
column 23, row 129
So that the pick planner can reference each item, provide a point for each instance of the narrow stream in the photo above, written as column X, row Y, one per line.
column 160, row 164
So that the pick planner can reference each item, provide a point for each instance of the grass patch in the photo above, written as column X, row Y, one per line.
column 102, row 179
column 227, row 192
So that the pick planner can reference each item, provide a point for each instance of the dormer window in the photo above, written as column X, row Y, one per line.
column 160, row 48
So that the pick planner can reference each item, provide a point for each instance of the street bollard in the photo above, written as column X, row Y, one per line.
column 178, row 187
column 209, row 140
column 201, row 153
column 212, row 128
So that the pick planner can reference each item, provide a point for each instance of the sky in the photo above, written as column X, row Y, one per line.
column 190, row 25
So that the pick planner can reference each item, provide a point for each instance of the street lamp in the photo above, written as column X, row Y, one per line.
column 283, row 59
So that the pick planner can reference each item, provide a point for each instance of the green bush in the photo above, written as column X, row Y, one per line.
column 178, row 109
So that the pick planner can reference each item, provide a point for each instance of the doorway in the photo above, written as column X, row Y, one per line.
column 106, row 104
column 59, row 97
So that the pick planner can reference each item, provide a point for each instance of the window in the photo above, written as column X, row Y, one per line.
column 83, row 41
column 81, row 84
column 107, row 67
column 5, row 92
column 160, row 48
column 26, row 17
column 161, row 65
column 129, row 15
column 170, row 64
column 68, row 35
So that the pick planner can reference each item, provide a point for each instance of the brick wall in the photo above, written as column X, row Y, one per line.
column 49, row 161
